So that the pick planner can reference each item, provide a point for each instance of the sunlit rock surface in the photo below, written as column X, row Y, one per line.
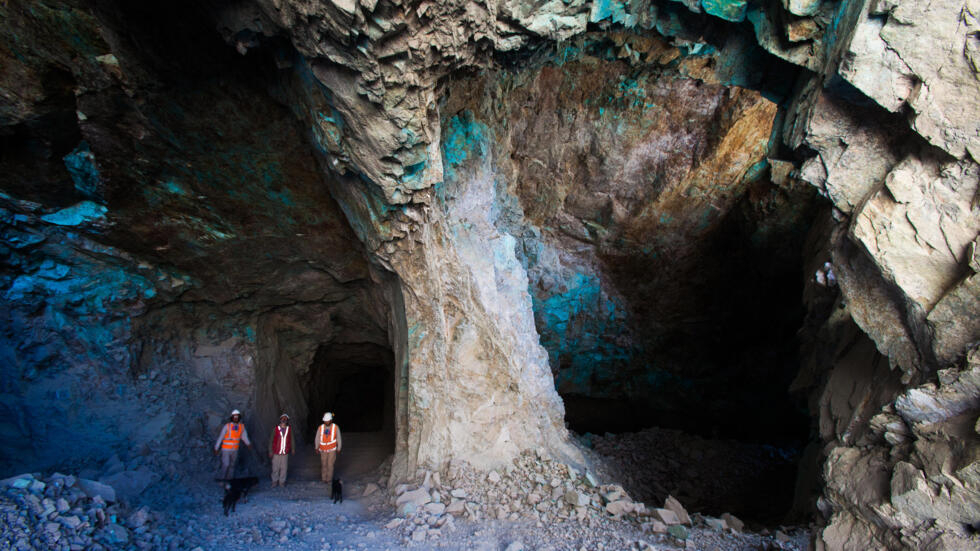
column 204, row 205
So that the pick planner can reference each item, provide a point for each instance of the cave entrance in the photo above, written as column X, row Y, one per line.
column 700, row 407
column 354, row 381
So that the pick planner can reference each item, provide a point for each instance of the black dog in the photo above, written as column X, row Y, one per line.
column 337, row 491
column 235, row 489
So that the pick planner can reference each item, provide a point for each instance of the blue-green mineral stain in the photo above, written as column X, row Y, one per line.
column 83, row 170
column 76, row 215
column 730, row 10
column 464, row 136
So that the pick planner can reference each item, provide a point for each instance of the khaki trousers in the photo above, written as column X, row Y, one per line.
column 326, row 465
column 228, row 460
column 280, row 464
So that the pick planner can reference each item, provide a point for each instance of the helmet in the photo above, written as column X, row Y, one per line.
column 235, row 412
column 284, row 415
column 327, row 417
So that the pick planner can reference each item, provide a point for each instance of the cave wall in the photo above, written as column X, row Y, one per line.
column 213, row 198
column 180, row 256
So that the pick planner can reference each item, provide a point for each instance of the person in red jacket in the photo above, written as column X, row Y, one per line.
column 280, row 448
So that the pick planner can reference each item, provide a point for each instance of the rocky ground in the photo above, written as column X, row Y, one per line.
column 708, row 475
column 534, row 504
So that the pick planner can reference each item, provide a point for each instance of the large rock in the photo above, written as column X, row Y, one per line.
column 923, row 55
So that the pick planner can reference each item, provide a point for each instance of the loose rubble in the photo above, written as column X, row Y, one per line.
column 551, row 505
column 715, row 476
column 67, row 513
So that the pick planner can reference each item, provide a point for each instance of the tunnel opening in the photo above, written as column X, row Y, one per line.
column 708, row 416
column 355, row 382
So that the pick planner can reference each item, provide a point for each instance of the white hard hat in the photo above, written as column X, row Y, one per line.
column 235, row 412
column 327, row 417
column 284, row 415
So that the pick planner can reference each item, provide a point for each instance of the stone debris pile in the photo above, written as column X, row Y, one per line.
column 706, row 475
column 544, row 502
column 533, row 489
column 63, row 512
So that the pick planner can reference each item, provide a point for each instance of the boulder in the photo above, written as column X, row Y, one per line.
column 97, row 489
column 672, row 504
column 620, row 507
column 130, row 484
column 733, row 522
column 418, row 497
column 666, row 516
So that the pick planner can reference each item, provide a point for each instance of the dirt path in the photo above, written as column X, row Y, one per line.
column 301, row 517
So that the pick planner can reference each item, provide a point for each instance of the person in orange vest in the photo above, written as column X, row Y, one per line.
column 327, row 444
column 280, row 448
column 232, row 434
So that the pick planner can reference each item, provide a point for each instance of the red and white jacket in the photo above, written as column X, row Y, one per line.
column 282, row 441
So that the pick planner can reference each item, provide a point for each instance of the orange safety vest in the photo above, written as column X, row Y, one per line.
column 327, row 442
column 232, row 436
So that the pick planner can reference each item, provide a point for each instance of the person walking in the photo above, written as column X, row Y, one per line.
column 280, row 448
column 232, row 435
column 327, row 443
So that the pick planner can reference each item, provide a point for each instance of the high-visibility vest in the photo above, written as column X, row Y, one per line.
column 281, row 443
column 233, row 436
column 327, row 441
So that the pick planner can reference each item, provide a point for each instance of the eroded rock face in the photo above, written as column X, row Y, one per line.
column 464, row 182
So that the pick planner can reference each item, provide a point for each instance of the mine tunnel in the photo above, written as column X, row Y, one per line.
column 712, row 419
column 355, row 383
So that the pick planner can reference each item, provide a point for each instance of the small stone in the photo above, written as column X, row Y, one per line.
column 666, row 516
column 20, row 481
column 590, row 480
column 576, row 499
column 716, row 524
column 655, row 526
column 418, row 534
column 71, row 521
column 394, row 523
column 733, row 522
column 435, row 508
column 493, row 477
column 456, row 507
column 679, row 531
column 116, row 533
column 459, row 493
column 277, row 526
column 515, row 546
column 782, row 537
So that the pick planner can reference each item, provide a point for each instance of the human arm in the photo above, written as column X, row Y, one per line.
column 339, row 441
column 245, row 436
column 221, row 436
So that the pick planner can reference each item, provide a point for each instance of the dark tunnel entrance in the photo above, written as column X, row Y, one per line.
column 703, row 410
column 355, row 382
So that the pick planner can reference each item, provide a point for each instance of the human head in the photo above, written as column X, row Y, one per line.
column 327, row 417
column 283, row 418
column 236, row 413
